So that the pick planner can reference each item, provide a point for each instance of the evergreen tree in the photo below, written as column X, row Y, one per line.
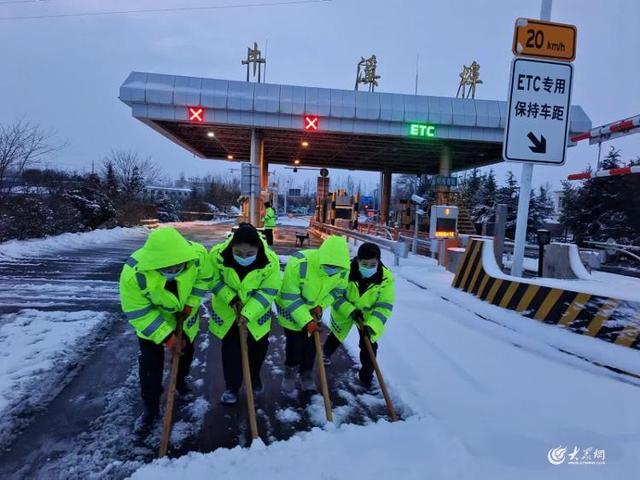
column 168, row 210
column 570, row 208
column 540, row 209
column 604, row 207
column 111, row 180
column 135, row 185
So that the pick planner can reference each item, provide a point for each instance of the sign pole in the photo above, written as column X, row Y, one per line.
column 521, row 219
column 525, row 188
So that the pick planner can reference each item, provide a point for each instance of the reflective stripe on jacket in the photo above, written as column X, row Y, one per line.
column 256, row 291
column 376, row 304
column 306, row 285
column 147, row 305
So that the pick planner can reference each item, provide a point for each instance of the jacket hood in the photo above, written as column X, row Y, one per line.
column 334, row 251
column 165, row 247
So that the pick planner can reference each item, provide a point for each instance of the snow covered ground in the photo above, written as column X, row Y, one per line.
column 492, row 395
column 14, row 249
column 598, row 283
column 38, row 350
column 46, row 329
column 293, row 221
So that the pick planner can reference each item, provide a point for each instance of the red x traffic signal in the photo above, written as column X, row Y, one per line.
column 311, row 123
column 195, row 114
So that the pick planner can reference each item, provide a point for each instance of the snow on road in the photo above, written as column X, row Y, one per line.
column 491, row 398
column 14, row 249
column 293, row 221
column 56, row 300
column 37, row 351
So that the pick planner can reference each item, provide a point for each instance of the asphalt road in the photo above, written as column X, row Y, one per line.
column 86, row 430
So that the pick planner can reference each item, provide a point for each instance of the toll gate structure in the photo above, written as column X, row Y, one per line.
column 266, row 124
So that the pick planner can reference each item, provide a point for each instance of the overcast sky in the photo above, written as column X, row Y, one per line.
column 64, row 73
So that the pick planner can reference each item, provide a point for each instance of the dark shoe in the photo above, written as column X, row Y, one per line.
column 365, row 381
column 289, row 380
column 229, row 397
column 258, row 387
column 306, row 381
column 185, row 394
column 146, row 419
column 326, row 360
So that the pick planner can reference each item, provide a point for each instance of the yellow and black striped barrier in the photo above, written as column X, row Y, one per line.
column 610, row 319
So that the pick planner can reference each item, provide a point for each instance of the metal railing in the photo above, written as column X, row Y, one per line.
column 399, row 249
column 616, row 247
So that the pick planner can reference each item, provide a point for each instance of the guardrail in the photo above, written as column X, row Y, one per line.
column 150, row 222
column 420, row 242
column 615, row 247
column 399, row 249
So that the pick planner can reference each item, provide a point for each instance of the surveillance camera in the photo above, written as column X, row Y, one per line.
column 418, row 200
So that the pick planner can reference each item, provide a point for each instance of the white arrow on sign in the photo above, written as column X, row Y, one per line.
column 538, row 117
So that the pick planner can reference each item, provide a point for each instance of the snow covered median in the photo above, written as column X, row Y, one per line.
column 38, row 349
column 15, row 249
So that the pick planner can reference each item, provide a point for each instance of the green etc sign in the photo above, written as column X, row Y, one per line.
column 421, row 130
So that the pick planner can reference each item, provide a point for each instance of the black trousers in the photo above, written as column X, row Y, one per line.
column 268, row 235
column 232, row 358
column 332, row 343
column 300, row 350
column 151, row 366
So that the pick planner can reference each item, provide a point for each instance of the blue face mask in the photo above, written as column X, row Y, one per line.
column 171, row 275
column 331, row 270
column 367, row 272
column 244, row 261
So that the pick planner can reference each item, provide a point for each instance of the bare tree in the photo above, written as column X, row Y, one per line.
column 22, row 144
column 131, row 170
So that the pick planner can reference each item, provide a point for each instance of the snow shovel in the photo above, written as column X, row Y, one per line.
column 171, row 394
column 246, row 373
column 372, row 356
column 324, row 387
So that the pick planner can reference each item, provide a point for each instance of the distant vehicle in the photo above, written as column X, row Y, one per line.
column 300, row 210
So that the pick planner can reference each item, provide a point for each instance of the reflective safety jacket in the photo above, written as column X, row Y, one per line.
column 148, row 306
column 269, row 218
column 375, row 303
column 306, row 285
column 256, row 291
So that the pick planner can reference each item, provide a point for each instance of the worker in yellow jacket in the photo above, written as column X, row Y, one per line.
column 313, row 280
column 162, row 283
column 246, row 280
column 269, row 222
column 369, row 298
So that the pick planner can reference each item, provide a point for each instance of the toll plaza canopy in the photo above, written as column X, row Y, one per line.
column 346, row 129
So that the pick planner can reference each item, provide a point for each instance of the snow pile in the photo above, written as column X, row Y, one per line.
column 383, row 447
column 37, row 351
column 491, row 390
column 14, row 249
column 594, row 283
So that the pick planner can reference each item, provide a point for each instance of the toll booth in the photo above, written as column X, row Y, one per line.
column 444, row 221
column 443, row 230
column 323, row 200
column 344, row 209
